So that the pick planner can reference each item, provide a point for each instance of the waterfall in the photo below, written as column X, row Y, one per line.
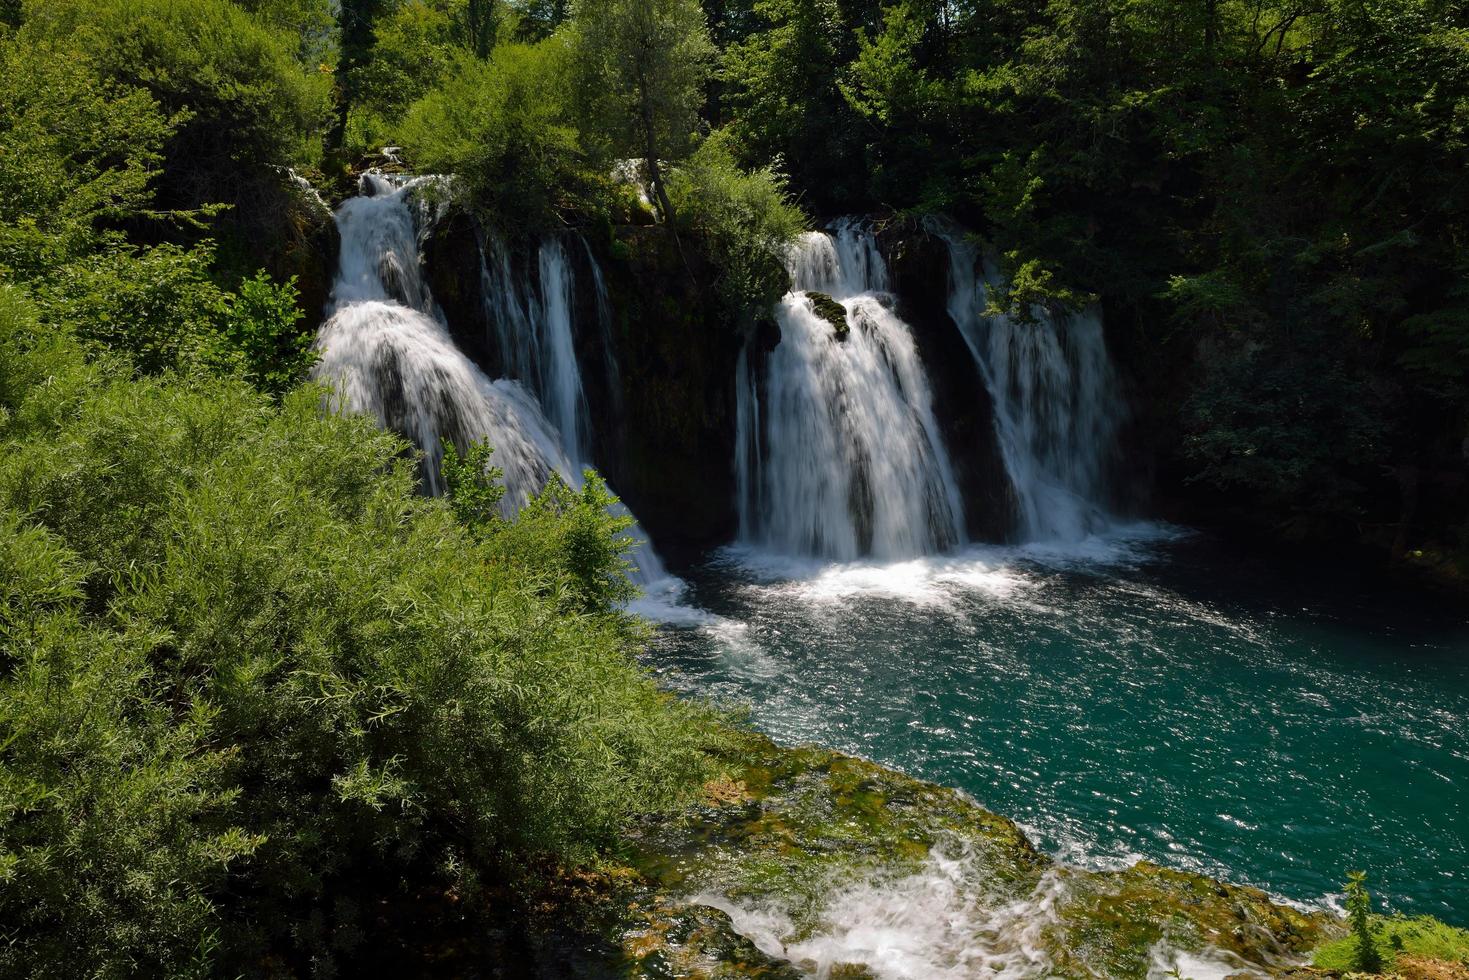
column 533, row 321
column 534, row 331
column 386, row 351
column 840, row 455
column 1056, row 406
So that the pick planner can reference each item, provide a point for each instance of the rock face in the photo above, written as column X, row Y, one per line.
column 832, row 312
column 806, row 862
column 666, row 437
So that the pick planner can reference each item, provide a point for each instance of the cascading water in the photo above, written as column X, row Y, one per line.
column 840, row 455
column 388, row 354
column 1056, row 405
column 535, row 335
column 534, row 326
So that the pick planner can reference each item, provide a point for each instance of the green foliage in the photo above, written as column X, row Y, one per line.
column 744, row 219
column 78, row 157
column 643, row 68
column 253, row 684
column 77, row 153
column 473, row 491
column 586, row 532
column 309, row 20
column 506, row 128
column 1365, row 955
column 1391, row 937
column 413, row 49
column 158, row 306
column 786, row 102
column 261, row 326
column 246, row 99
column 1293, row 424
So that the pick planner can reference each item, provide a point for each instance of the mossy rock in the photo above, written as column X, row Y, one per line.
column 788, row 829
column 832, row 312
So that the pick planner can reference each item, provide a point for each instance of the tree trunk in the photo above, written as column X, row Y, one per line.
column 655, row 172
column 655, row 176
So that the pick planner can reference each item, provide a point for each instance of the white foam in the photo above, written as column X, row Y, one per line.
column 937, row 581
column 941, row 922
column 1210, row 963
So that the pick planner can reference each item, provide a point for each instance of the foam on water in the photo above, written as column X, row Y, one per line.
column 943, row 922
column 937, row 581
column 1207, row 964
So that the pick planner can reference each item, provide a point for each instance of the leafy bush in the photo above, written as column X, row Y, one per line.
column 505, row 127
column 77, row 152
column 1365, row 955
column 261, row 328
column 1395, row 936
column 252, row 683
column 744, row 218
column 413, row 49
column 158, row 307
column 1292, row 423
column 244, row 100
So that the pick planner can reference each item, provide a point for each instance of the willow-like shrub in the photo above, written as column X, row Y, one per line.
column 251, row 682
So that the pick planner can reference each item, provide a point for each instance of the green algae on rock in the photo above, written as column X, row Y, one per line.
column 831, row 311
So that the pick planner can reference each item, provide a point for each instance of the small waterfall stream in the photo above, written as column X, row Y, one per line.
column 534, row 330
column 1057, row 409
column 534, row 324
column 839, row 454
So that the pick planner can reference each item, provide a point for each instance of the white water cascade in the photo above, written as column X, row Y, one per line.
column 534, row 330
column 839, row 453
column 1057, row 409
column 387, row 353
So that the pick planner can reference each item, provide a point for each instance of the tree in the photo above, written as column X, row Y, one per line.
column 1366, row 956
column 355, row 19
column 645, row 65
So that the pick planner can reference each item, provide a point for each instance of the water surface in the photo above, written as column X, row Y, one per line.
column 1151, row 695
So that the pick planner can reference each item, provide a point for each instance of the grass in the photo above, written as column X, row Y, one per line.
column 1421, row 936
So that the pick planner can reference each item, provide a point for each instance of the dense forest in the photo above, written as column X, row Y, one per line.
column 255, row 687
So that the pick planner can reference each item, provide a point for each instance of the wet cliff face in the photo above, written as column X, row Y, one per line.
column 657, row 356
column 452, row 269
column 666, row 434
column 919, row 264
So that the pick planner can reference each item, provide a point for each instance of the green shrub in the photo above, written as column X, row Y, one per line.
column 413, row 49
column 248, row 102
column 262, row 328
column 504, row 126
column 76, row 152
column 744, row 218
column 158, row 306
column 252, row 683
column 1395, row 936
column 1365, row 955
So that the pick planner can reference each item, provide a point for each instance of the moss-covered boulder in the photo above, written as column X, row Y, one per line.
column 831, row 311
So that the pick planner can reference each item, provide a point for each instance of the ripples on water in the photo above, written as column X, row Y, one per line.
column 1143, row 695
